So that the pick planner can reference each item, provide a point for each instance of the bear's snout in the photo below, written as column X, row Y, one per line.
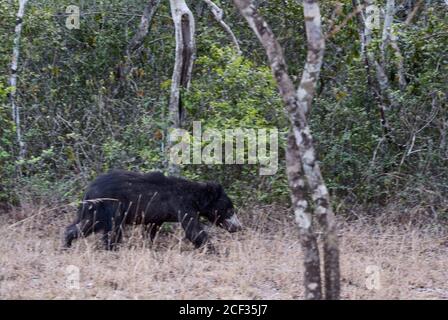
column 232, row 224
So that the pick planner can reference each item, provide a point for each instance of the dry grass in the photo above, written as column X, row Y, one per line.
column 262, row 262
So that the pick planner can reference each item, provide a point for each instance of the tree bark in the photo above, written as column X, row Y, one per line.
column 145, row 22
column 13, row 77
column 381, row 77
column 301, row 155
column 218, row 14
column 320, row 195
column 413, row 12
column 389, row 38
column 303, row 217
column 136, row 42
column 387, row 28
column 399, row 62
column 380, row 84
column 334, row 29
column 184, row 25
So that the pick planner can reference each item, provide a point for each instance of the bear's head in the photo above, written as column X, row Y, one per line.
column 218, row 208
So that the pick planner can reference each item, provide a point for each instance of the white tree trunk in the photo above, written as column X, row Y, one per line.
column 301, row 156
column 387, row 27
column 381, row 77
column 218, row 14
column 379, row 85
column 389, row 38
column 13, row 78
column 399, row 62
column 319, row 192
column 184, row 25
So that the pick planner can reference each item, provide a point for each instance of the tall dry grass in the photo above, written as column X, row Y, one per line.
column 262, row 262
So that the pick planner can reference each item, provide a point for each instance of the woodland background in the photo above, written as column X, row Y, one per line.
column 75, row 128
column 381, row 139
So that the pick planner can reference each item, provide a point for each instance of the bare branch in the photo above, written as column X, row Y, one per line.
column 136, row 42
column 145, row 22
column 336, row 28
column 413, row 12
column 218, row 13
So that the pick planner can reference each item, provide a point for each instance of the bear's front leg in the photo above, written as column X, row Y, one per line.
column 151, row 230
column 194, row 230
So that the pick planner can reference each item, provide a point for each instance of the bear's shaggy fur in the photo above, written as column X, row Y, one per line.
column 122, row 197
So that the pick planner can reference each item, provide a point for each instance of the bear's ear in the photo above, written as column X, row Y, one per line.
column 214, row 189
column 211, row 191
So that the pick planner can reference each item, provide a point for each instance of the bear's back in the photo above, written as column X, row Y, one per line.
column 126, row 185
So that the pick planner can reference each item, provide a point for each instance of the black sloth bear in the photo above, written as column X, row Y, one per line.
column 121, row 197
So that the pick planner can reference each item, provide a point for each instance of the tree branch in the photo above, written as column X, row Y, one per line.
column 218, row 13
column 336, row 28
column 413, row 12
column 136, row 42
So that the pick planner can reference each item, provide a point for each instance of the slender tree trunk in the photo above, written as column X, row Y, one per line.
column 218, row 14
column 136, row 42
column 184, row 25
column 13, row 78
column 303, row 215
column 412, row 14
column 399, row 62
column 387, row 28
column 379, row 84
column 301, row 155
column 319, row 192
column 389, row 38
column 381, row 77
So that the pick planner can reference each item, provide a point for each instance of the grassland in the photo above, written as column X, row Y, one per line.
column 262, row 262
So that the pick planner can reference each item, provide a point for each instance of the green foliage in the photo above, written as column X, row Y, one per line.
column 359, row 163
column 74, row 126
column 230, row 92
column 6, row 146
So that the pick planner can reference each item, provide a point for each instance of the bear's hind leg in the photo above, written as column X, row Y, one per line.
column 112, row 221
column 112, row 236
